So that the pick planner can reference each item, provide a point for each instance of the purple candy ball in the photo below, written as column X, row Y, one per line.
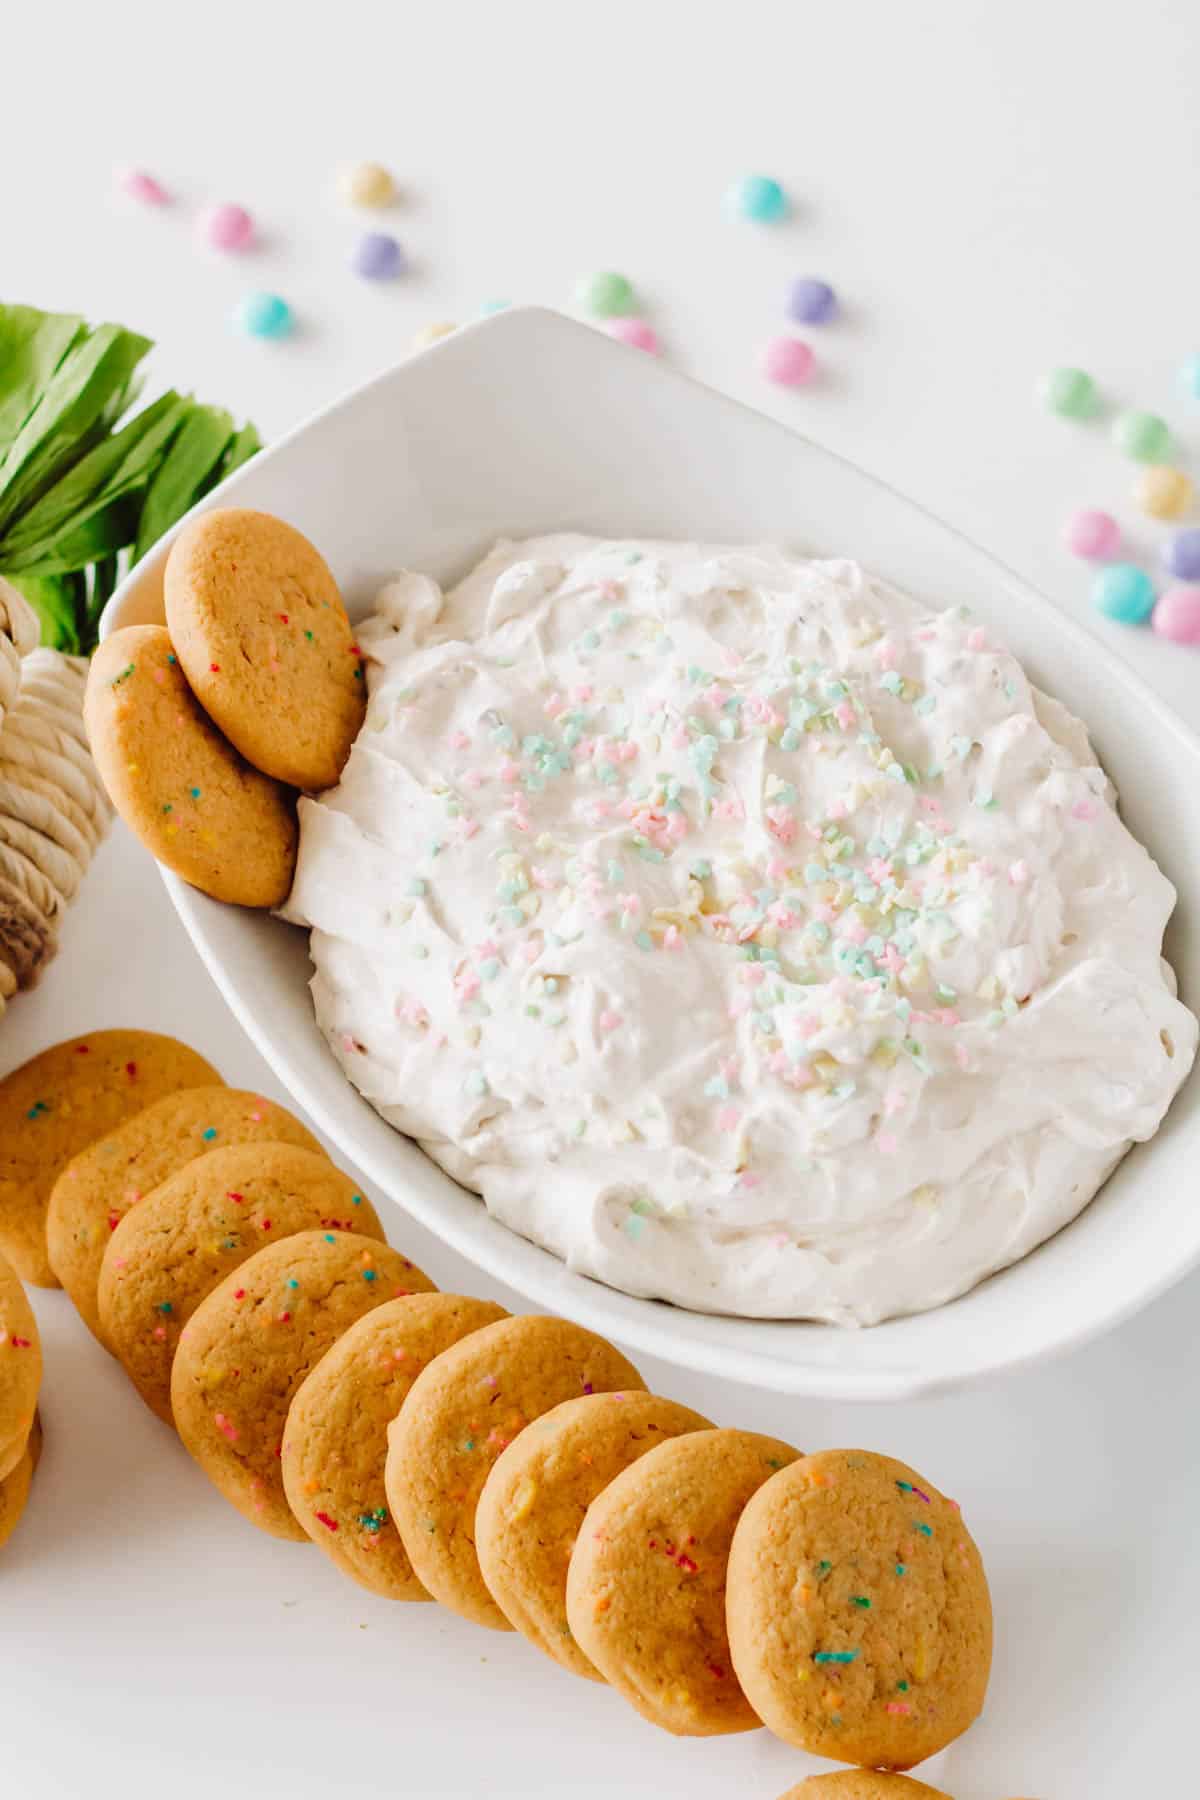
column 1182, row 555
column 377, row 257
column 811, row 302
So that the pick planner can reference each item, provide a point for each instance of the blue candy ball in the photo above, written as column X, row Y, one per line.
column 1125, row 593
column 1182, row 555
column 759, row 198
column 811, row 302
column 263, row 316
column 377, row 257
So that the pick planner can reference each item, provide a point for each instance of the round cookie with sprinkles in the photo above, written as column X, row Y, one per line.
column 265, row 643
column 52, row 1107
column 462, row 1412
column 182, row 788
column 862, row 1784
column 335, row 1440
column 20, row 1369
column 533, row 1504
column 97, row 1188
column 254, row 1340
column 14, row 1487
column 859, row 1615
column 646, row 1583
column 174, row 1247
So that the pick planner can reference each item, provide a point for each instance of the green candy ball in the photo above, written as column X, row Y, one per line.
column 606, row 295
column 1069, row 392
column 1143, row 436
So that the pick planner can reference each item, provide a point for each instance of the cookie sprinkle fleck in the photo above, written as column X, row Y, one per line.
column 835, row 1656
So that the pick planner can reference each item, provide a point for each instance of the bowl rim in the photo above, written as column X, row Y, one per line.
column 544, row 1278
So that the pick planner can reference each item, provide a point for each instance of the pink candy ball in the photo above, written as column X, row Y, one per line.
column 140, row 186
column 1177, row 614
column 1094, row 535
column 227, row 227
column 789, row 361
column 636, row 333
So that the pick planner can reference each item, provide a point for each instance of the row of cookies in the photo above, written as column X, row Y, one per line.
column 20, row 1383
column 204, row 729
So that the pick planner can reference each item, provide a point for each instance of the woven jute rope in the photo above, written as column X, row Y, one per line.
column 53, row 809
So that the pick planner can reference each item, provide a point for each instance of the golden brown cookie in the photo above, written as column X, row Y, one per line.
column 97, row 1188
column 859, row 1615
column 335, row 1440
column 466, row 1408
column 646, row 1582
column 14, row 1489
column 533, row 1503
column 20, row 1369
column 54, row 1106
column 862, row 1784
column 182, row 1240
column 264, row 640
column 181, row 787
column 248, row 1347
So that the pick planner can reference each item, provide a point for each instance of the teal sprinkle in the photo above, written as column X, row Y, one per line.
column 902, row 1687
column 357, row 1200
column 590, row 640
column 373, row 1521
column 892, row 682
column 37, row 1109
column 860, row 1600
column 490, row 968
column 925, row 1530
column 417, row 888
column 368, row 1274
column 164, row 1306
column 209, row 1135
column 900, row 1569
column 835, row 1656
column 728, row 729
column 905, row 1487
column 293, row 1283
column 420, row 951
column 170, row 657
column 476, row 1083
column 815, row 874
column 615, row 874
column 616, row 619
column 329, row 1238
column 634, row 1226
column 702, row 870
column 512, row 915
column 505, row 736
column 644, row 941
column 790, row 739
column 195, row 793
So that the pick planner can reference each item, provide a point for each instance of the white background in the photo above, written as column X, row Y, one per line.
column 993, row 190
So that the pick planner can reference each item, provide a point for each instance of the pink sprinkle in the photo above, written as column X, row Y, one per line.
column 530, row 952
column 928, row 804
column 753, row 974
column 609, row 1021
column 855, row 930
column 347, row 1041
column 582, row 694
column 729, row 1067
column 257, row 1117
column 474, row 778
column 845, row 715
column 459, row 740
column 226, row 1427
column 781, row 824
column 962, row 1056
column 680, row 740
column 509, row 771
column 629, row 751
column 489, row 947
column 554, row 705
column 728, row 809
column 894, row 1102
column 777, row 868
column 739, row 1005
column 1083, row 809
column 809, row 1027
column 630, row 903
column 466, row 984
column 467, row 829
column 673, row 940
column 886, row 1143
column 160, row 1332
column 728, row 1118
column 140, row 186
column 749, row 1180
column 885, row 654
column 541, row 878
column 898, row 1706
column 977, row 639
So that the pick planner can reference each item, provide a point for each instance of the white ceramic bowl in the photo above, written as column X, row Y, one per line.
column 530, row 423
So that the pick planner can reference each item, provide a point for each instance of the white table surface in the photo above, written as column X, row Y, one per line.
column 993, row 190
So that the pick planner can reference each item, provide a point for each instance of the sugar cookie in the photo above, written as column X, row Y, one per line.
column 250, row 1344
column 179, row 1243
column 20, row 1369
column 335, row 1440
column 260, row 629
column 182, row 788
column 466, row 1408
column 55, row 1105
column 14, row 1489
column 859, row 1616
column 646, row 1583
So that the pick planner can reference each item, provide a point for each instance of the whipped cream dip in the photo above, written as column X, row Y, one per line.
column 744, row 933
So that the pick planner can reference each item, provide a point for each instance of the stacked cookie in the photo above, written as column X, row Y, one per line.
column 20, row 1381
column 514, row 1469
column 204, row 730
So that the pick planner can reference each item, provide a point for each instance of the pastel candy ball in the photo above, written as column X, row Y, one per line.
column 263, row 316
column 636, row 333
column 1181, row 557
column 367, row 184
column 1189, row 376
column 1071, row 393
column 788, row 361
column 1143, row 436
column 1124, row 593
column 607, row 295
column 226, row 227
column 759, row 198
column 142, row 187
column 377, row 257
column 1163, row 493
column 429, row 334
column 811, row 302
column 1177, row 615
column 1091, row 534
